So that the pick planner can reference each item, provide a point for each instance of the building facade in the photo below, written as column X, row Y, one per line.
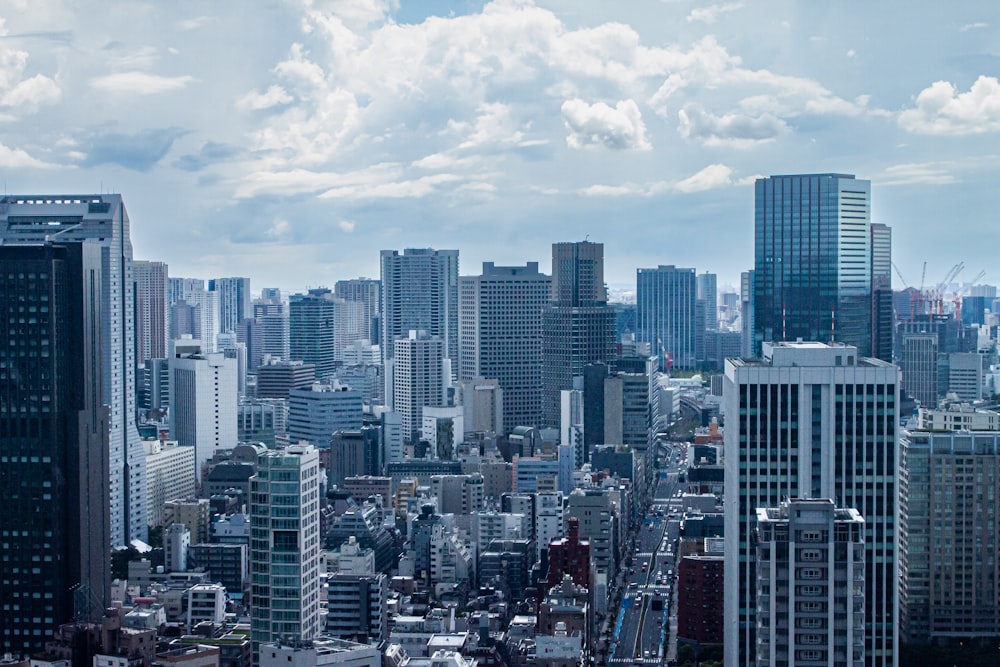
column 666, row 314
column 151, row 323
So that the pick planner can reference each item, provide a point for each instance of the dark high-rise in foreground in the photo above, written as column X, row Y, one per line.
column 813, row 263
column 54, row 527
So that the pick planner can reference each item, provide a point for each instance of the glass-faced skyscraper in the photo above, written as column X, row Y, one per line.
column 104, row 220
column 667, row 313
column 813, row 260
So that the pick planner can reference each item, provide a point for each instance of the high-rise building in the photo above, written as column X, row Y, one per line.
column 101, row 218
column 747, row 323
column 53, row 442
column 151, row 323
column 271, row 315
column 315, row 413
column 813, row 260
column 918, row 362
column 234, row 301
column 949, row 537
column 419, row 293
column 369, row 293
column 418, row 378
column 200, row 306
column 882, row 306
column 810, row 585
column 285, row 557
column 811, row 420
column 203, row 400
column 667, row 314
column 500, row 335
column 311, row 330
column 578, row 326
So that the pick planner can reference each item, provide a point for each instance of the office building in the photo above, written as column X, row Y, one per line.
column 195, row 313
column 203, row 400
column 949, row 537
column 578, row 326
column 368, row 293
column 747, row 323
column 813, row 260
column 227, row 564
column 810, row 585
column 353, row 453
column 708, row 298
column 667, row 314
column 169, row 475
column 482, row 402
column 918, row 362
column 965, row 375
column 700, row 610
column 151, row 323
column 102, row 219
column 311, row 331
column 500, row 335
column 271, row 315
column 285, row 547
column 261, row 419
column 811, row 420
column 419, row 292
column 357, row 607
column 54, row 468
column 317, row 413
column 277, row 379
column 419, row 378
column 882, row 305
column 234, row 301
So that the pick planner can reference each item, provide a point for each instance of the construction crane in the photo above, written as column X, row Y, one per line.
column 961, row 292
column 937, row 294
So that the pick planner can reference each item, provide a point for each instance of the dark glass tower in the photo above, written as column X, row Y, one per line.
column 813, row 260
column 54, row 447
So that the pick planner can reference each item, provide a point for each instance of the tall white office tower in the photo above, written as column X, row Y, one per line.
column 285, row 546
column 810, row 585
column 500, row 335
column 418, row 378
column 234, row 301
column 271, row 315
column 368, row 293
column 204, row 393
column 419, row 293
column 151, row 308
column 811, row 420
column 104, row 220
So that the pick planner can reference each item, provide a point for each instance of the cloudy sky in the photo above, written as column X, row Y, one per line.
column 292, row 140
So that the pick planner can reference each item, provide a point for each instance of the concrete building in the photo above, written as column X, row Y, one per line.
column 285, row 548
column 350, row 558
column 176, row 542
column 847, row 411
column 203, row 400
column 276, row 379
column 443, row 428
column 482, row 402
column 361, row 487
column 419, row 378
column 169, row 474
column 500, row 335
column 949, row 537
column 666, row 314
column 194, row 513
column 357, row 607
column 54, row 469
column 151, row 324
column 919, row 365
column 261, row 419
column 958, row 418
column 226, row 564
column 700, row 610
column 965, row 375
column 206, row 603
column 569, row 556
column 319, row 653
column 271, row 315
column 103, row 220
column 315, row 414
column 368, row 293
column 234, row 301
column 578, row 326
column 549, row 523
column 810, row 585
column 353, row 453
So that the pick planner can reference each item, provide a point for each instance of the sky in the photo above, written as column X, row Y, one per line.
column 290, row 141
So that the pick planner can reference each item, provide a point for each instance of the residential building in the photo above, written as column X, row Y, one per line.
column 569, row 556
column 234, row 301
column 102, row 219
column 841, row 445
column 151, row 323
column 500, row 335
column 271, row 315
column 285, row 546
column 357, row 607
column 419, row 378
column 810, row 585
column 578, row 325
column 813, row 260
column 666, row 314
column 54, row 432
column 169, row 474
column 227, row 564
column 206, row 603
column 700, row 610
column 548, row 520
column 368, row 293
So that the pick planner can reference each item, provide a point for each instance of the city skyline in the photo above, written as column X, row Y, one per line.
column 325, row 126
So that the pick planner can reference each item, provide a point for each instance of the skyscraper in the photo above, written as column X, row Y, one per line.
column 285, row 546
column 151, row 323
column 311, row 330
column 667, row 313
column 708, row 294
column 203, row 306
column 419, row 293
column 578, row 326
column 369, row 293
column 811, row 420
column 882, row 306
column 54, row 431
column 234, row 301
column 747, row 323
column 102, row 218
column 271, row 314
column 500, row 335
column 418, row 378
column 813, row 260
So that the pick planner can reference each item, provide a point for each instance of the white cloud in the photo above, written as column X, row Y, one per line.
column 973, row 26
column 711, row 13
column 412, row 188
column 274, row 96
column 31, row 93
column 711, row 177
column 346, row 226
column 15, row 158
column 619, row 128
column 600, row 190
column 851, row 53
column 941, row 110
column 927, row 173
column 735, row 129
column 193, row 23
column 141, row 83
column 279, row 229
column 493, row 125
